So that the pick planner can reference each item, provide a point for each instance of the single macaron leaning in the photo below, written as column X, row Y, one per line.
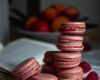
column 70, row 46
column 44, row 76
column 48, row 57
column 67, row 59
column 72, row 28
column 69, row 39
column 70, row 74
column 26, row 69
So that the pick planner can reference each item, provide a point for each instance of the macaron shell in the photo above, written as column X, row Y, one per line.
column 67, row 56
column 23, row 66
column 44, row 76
column 31, row 73
column 66, row 64
column 48, row 59
column 73, row 24
column 82, row 25
column 48, row 68
column 68, row 38
column 70, row 46
column 79, row 78
column 72, row 32
column 69, row 49
column 69, row 72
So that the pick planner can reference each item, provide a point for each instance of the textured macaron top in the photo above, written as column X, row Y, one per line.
column 70, row 71
column 23, row 66
column 69, row 37
column 44, row 76
column 73, row 24
column 65, row 55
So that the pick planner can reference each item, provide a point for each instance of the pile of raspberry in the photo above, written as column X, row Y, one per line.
column 87, row 71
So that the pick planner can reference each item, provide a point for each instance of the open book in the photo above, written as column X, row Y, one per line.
column 21, row 49
column 1, row 46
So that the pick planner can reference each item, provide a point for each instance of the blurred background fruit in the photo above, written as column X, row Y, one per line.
column 72, row 12
column 59, row 7
column 20, row 18
column 52, row 16
column 40, row 26
column 29, row 22
column 57, row 21
column 49, row 14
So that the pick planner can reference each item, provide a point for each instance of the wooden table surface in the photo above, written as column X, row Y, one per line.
column 7, row 77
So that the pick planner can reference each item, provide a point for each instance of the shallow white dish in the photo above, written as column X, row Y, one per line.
column 1, row 46
column 48, row 36
column 45, row 36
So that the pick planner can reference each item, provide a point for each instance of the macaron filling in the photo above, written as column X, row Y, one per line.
column 31, row 73
column 66, row 62
column 28, row 70
column 71, row 40
column 71, row 29
column 71, row 46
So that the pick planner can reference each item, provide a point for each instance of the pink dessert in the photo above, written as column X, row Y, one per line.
column 72, row 28
column 44, row 76
column 26, row 69
column 70, row 74
column 49, row 68
column 67, row 59
column 70, row 46
column 48, row 57
column 69, row 39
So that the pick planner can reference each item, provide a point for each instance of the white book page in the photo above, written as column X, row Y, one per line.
column 22, row 49
column 6, row 67
column 1, row 46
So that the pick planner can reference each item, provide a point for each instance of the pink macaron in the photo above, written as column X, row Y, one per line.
column 70, row 46
column 69, row 39
column 67, row 59
column 72, row 28
column 70, row 74
column 49, row 68
column 44, row 76
column 48, row 57
column 26, row 69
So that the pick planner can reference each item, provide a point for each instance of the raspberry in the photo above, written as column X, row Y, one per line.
column 92, row 76
column 85, row 66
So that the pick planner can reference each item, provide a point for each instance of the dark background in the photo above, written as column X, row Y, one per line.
column 28, row 8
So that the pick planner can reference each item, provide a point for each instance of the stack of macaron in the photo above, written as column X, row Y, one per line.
column 68, row 59
column 48, row 67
